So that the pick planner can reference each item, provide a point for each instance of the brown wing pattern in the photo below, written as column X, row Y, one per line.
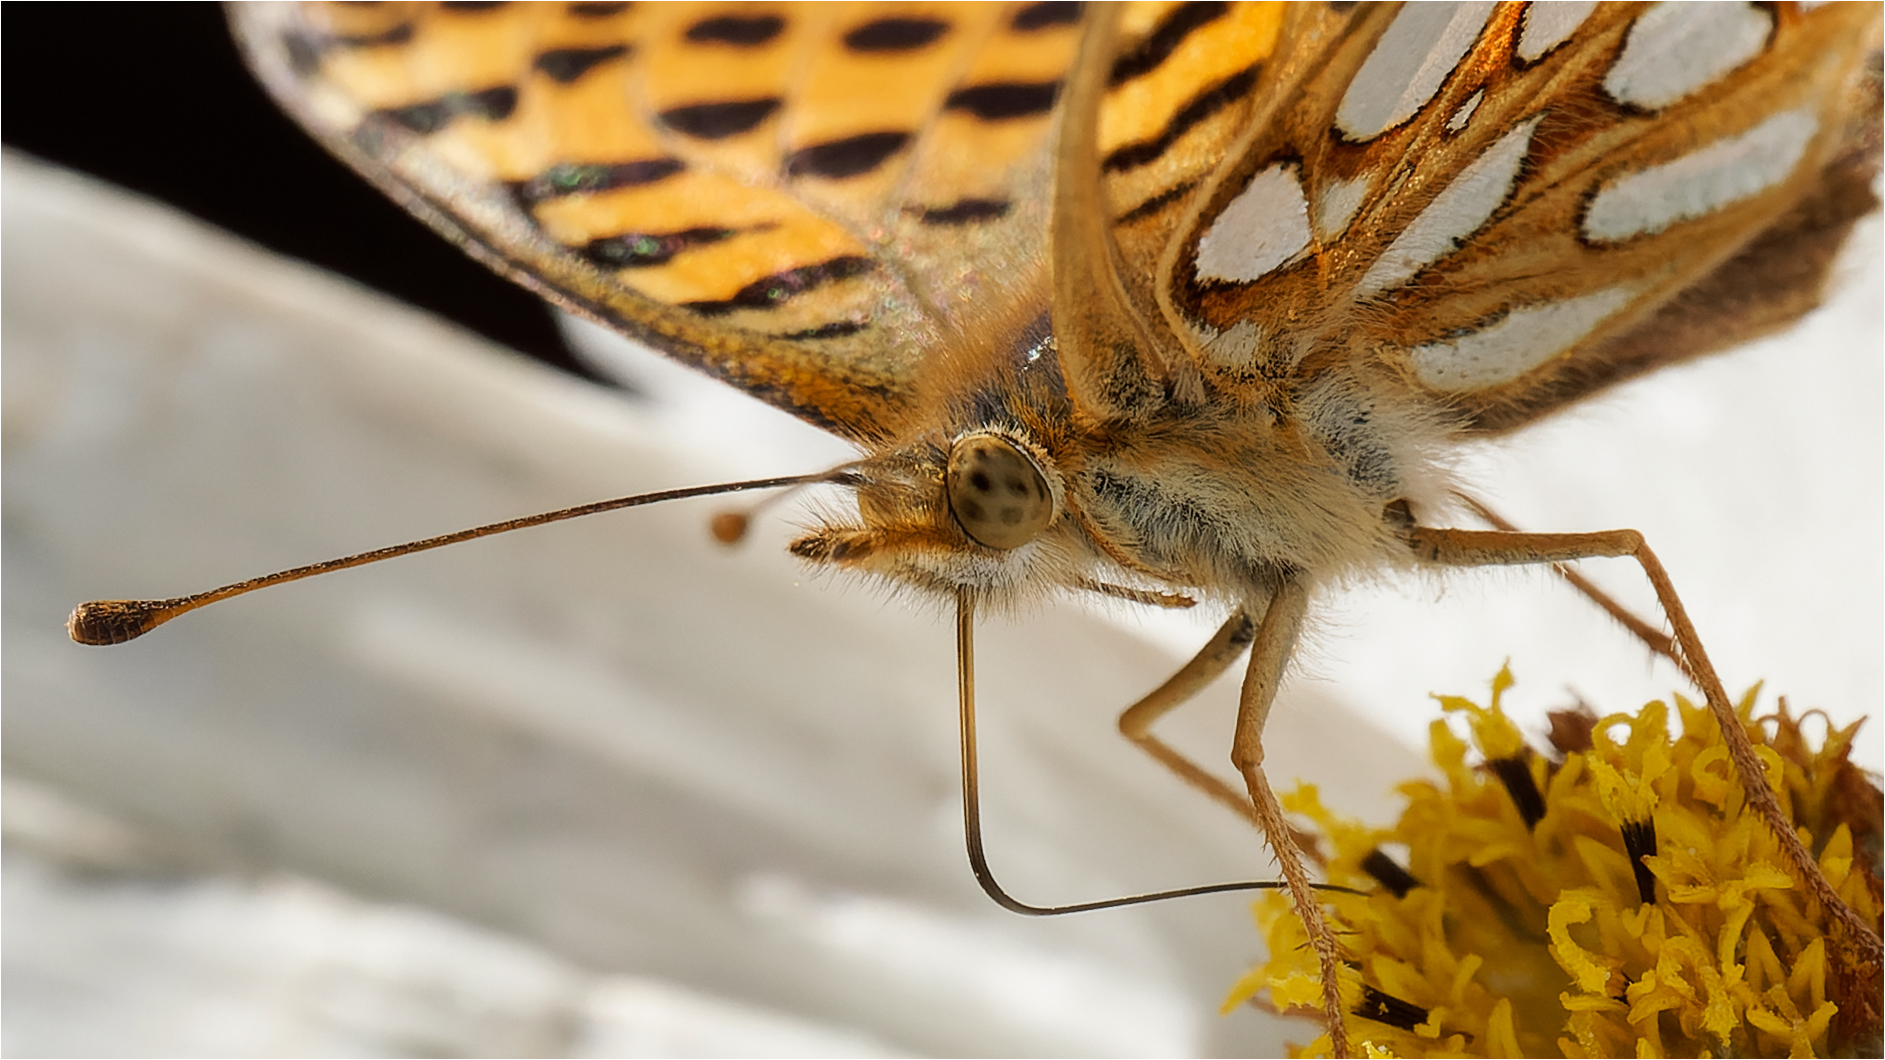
column 1343, row 241
column 805, row 200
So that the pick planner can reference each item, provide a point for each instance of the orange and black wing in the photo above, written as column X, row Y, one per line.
column 807, row 201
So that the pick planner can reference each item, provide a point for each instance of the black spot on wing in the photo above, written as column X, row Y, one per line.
column 895, row 35
column 740, row 32
column 1201, row 107
column 304, row 52
column 1164, row 39
column 635, row 250
column 570, row 178
column 1004, row 100
column 849, row 157
column 783, row 287
column 1156, row 203
column 717, row 121
column 491, row 104
column 472, row 7
column 837, row 329
column 565, row 65
column 1041, row 16
column 595, row 10
column 399, row 34
column 961, row 212
column 305, row 48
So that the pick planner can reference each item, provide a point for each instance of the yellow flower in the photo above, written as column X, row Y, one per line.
column 1617, row 901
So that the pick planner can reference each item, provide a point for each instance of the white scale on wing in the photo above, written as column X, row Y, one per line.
column 1521, row 340
column 1264, row 227
column 1453, row 214
column 1676, row 49
column 1699, row 183
column 1408, row 65
column 1549, row 25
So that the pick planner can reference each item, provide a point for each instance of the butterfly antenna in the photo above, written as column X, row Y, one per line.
column 116, row 621
column 972, row 808
column 729, row 527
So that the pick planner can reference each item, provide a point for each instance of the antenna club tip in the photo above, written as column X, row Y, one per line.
column 729, row 527
column 102, row 622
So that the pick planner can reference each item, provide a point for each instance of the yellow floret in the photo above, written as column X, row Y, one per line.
column 1538, row 941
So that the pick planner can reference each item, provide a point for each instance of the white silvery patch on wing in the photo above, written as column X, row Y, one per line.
column 1676, row 49
column 1454, row 214
column 1265, row 226
column 1526, row 338
column 1700, row 183
column 1408, row 65
column 1465, row 112
column 1549, row 25
column 1337, row 206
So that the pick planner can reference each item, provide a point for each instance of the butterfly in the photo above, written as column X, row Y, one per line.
column 1158, row 301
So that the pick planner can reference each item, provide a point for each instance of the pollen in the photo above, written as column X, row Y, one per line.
column 1613, row 897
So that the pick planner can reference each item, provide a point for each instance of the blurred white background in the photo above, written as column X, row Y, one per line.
column 606, row 788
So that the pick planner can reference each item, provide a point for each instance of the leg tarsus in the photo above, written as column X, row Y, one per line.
column 1269, row 653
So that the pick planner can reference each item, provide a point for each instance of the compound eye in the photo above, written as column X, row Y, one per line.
column 996, row 493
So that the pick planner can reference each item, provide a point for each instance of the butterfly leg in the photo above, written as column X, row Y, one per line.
column 1858, row 949
column 1271, row 642
column 1653, row 638
column 1270, row 650
column 1231, row 640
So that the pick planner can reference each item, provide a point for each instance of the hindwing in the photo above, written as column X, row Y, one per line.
column 1506, row 205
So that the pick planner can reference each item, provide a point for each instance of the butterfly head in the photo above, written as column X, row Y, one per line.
column 985, row 510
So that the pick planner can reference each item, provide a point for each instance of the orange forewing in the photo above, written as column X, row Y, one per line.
column 772, row 193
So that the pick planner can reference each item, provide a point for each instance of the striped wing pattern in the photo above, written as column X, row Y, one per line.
column 805, row 200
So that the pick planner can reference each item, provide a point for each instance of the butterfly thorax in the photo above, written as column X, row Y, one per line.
column 1227, row 496
column 1221, row 496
